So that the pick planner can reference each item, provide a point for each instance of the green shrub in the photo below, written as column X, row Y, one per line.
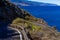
column 36, row 28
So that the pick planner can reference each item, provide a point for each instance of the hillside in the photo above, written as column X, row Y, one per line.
column 31, row 3
column 31, row 28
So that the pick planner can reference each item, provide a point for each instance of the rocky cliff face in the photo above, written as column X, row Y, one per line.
column 9, row 12
column 34, row 28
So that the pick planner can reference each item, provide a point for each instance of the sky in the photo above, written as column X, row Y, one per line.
column 48, row 1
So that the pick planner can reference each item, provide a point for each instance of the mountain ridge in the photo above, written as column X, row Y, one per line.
column 33, row 3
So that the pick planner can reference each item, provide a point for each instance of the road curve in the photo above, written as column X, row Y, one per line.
column 21, row 29
column 18, row 32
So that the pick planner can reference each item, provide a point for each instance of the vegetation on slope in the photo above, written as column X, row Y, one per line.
column 27, row 24
column 37, row 32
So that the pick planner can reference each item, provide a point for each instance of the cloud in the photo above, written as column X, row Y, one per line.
column 22, row 4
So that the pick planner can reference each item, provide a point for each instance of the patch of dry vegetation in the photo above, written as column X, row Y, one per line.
column 27, row 24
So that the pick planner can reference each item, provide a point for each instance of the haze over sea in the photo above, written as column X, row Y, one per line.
column 51, row 14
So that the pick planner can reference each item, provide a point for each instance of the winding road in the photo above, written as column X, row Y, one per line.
column 18, row 32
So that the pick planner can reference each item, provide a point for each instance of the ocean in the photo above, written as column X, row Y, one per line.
column 51, row 14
